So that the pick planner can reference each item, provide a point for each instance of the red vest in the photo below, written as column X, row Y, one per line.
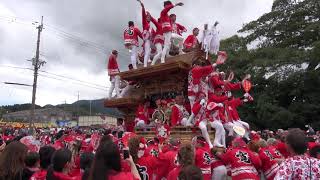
column 112, row 66
column 131, row 35
column 165, row 19
column 203, row 161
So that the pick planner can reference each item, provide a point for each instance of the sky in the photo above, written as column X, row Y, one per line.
column 79, row 35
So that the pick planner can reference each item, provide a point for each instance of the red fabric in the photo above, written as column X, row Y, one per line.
column 177, row 115
column 113, row 67
column 40, row 175
column 165, row 19
column 58, row 144
column 178, row 28
column 158, row 35
column 121, row 176
column 200, row 71
column 125, row 167
column 283, row 149
column 190, row 42
column 232, row 86
column 203, row 161
column 231, row 108
column 174, row 174
column 244, row 163
column 167, row 161
column 147, row 166
column 269, row 164
column 144, row 113
column 217, row 99
column 215, row 81
column 61, row 176
column 131, row 35
column 152, row 150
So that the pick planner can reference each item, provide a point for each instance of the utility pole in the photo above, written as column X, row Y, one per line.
column 90, row 107
column 37, row 64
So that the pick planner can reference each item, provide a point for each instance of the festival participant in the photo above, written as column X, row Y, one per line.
column 268, row 156
column 190, row 172
column 158, row 40
column 130, row 84
column 12, row 161
column 211, row 41
column 179, row 115
column 146, row 34
column 113, row 69
column 107, row 164
column 61, row 164
column 32, row 165
column 143, row 114
column 167, row 27
column 203, row 157
column 299, row 165
column 244, row 163
column 168, row 158
column 177, row 30
column 45, row 153
column 192, row 41
column 196, row 74
column 131, row 35
column 185, row 158
column 219, row 170
column 146, row 164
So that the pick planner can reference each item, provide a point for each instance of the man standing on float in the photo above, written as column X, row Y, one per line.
column 166, row 27
column 131, row 41
column 113, row 70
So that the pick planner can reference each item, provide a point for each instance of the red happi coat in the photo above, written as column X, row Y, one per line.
column 167, row 161
column 231, row 108
column 178, row 28
column 146, row 34
column 147, row 167
column 244, row 163
column 143, row 113
column 203, row 161
column 269, row 164
column 158, row 34
column 113, row 67
column 40, row 175
column 190, row 42
column 174, row 174
column 165, row 19
column 178, row 113
column 195, row 76
column 131, row 35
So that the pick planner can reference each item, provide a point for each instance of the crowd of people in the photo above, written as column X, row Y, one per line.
column 94, row 154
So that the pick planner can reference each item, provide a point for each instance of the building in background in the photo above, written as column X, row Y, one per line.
column 46, row 116
column 97, row 120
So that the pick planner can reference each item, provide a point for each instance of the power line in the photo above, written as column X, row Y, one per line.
column 87, row 84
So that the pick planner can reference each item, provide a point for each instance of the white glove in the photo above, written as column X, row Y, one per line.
column 202, row 102
column 229, row 94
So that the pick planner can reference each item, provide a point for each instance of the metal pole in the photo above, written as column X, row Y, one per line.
column 35, row 77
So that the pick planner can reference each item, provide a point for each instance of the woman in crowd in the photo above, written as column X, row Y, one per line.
column 190, row 172
column 185, row 158
column 299, row 165
column 12, row 161
column 61, row 165
column 107, row 164
column 45, row 154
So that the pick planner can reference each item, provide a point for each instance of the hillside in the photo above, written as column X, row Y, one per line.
column 81, row 108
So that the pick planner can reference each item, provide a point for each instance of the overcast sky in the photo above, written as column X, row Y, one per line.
column 100, row 23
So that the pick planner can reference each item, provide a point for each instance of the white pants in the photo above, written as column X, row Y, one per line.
column 115, row 83
column 219, row 173
column 125, row 90
column 158, row 55
column 184, row 122
column 147, row 52
column 166, row 48
column 219, row 139
column 179, row 39
column 229, row 127
column 220, row 134
column 134, row 56
column 192, row 99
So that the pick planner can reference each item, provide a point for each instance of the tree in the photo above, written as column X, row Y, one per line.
column 291, row 23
